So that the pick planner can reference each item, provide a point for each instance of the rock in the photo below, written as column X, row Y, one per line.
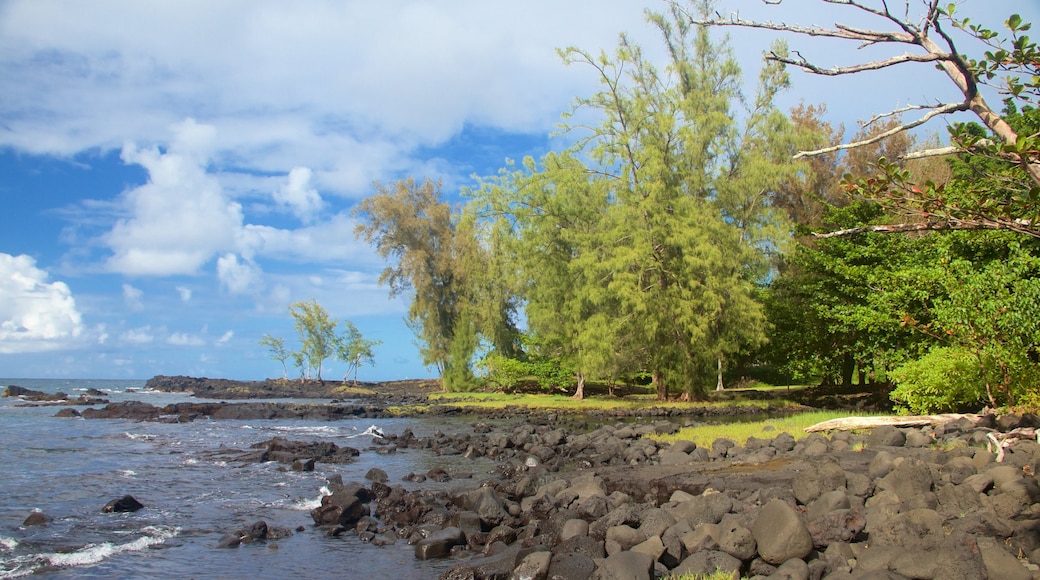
column 653, row 547
column 626, row 566
column 487, row 505
column 706, row 508
column 737, row 541
column 919, row 529
column 828, row 502
column 999, row 563
column 780, row 533
column 793, row 569
column 707, row 562
column 908, row 478
column 812, row 483
column 258, row 531
column 887, row 436
column 534, row 566
column 127, row 503
column 843, row 525
column 621, row 538
column 439, row 543
column 574, row 527
column 571, row 566
column 377, row 475
column 498, row 565
column 36, row 518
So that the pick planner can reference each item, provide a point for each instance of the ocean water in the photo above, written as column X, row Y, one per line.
column 70, row 468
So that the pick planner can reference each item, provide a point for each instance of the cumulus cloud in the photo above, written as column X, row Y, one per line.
column 185, row 339
column 226, row 337
column 238, row 277
column 299, row 195
column 35, row 315
column 178, row 220
column 185, row 293
column 140, row 335
column 132, row 297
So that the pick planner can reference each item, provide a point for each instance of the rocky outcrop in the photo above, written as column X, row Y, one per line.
column 611, row 503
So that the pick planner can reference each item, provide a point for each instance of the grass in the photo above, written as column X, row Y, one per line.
column 705, row 435
column 717, row 575
column 550, row 402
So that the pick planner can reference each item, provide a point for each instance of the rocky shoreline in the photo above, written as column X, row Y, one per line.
column 612, row 503
column 578, row 498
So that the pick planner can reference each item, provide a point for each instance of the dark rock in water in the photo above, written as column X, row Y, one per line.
column 377, row 475
column 67, row 413
column 258, row 531
column 127, row 503
column 37, row 519
column 92, row 392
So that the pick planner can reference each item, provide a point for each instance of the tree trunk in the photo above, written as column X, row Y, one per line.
column 848, row 368
column 659, row 385
column 862, row 372
column 579, row 394
column 719, row 386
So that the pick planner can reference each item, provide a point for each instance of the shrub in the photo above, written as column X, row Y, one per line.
column 947, row 379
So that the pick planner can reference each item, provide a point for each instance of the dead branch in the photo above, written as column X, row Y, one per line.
column 1019, row 226
column 851, row 423
column 807, row 66
column 938, row 110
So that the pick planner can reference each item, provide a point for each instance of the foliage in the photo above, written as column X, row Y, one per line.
column 946, row 380
column 278, row 352
column 317, row 332
column 319, row 341
column 509, row 374
column 353, row 349
column 436, row 257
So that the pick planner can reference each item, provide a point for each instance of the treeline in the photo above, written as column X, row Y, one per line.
column 672, row 243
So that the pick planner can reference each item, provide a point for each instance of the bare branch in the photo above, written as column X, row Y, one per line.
column 936, row 152
column 939, row 110
column 804, row 64
column 1019, row 226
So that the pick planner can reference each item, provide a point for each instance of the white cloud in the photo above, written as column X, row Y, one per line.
column 238, row 277
column 226, row 337
column 178, row 220
column 140, row 335
column 132, row 297
column 299, row 195
column 35, row 315
column 185, row 339
column 185, row 293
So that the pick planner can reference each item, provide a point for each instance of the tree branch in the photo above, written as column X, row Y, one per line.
column 803, row 63
column 940, row 110
column 1019, row 226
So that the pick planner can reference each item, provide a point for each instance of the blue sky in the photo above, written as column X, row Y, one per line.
column 175, row 174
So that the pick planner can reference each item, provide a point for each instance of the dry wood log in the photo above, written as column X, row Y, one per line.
column 850, row 423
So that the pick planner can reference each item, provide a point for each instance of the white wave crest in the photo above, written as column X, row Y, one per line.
column 86, row 556
column 8, row 543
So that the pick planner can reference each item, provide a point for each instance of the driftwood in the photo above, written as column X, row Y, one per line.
column 850, row 423
column 998, row 442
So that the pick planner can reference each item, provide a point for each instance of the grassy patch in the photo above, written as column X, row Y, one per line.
column 705, row 435
column 566, row 403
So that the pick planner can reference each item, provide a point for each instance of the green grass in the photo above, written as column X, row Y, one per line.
column 549, row 402
column 705, row 435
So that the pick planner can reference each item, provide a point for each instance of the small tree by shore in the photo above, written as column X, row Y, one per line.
column 319, row 341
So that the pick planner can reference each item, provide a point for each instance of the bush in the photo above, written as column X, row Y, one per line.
column 510, row 374
column 947, row 379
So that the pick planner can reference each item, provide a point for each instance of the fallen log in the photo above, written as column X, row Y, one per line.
column 850, row 423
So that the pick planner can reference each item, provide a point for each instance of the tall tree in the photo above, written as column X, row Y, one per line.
column 690, row 215
column 317, row 332
column 436, row 256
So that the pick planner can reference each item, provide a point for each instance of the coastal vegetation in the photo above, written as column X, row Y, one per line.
column 694, row 235
column 320, row 340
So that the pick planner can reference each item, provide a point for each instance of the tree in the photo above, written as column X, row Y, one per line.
column 353, row 349
column 1009, row 64
column 317, row 332
column 436, row 257
column 276, row 346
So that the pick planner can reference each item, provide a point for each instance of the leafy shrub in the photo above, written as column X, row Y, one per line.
column 947, row 379
column 510, row 374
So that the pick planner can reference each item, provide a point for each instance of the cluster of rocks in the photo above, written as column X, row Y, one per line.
column 34, row 398
column 187, row 412
column 894, row 503
column 299, row 455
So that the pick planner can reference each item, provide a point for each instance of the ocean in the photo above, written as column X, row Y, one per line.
column 70, row 468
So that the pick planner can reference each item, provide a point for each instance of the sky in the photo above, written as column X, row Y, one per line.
column 175, row 174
